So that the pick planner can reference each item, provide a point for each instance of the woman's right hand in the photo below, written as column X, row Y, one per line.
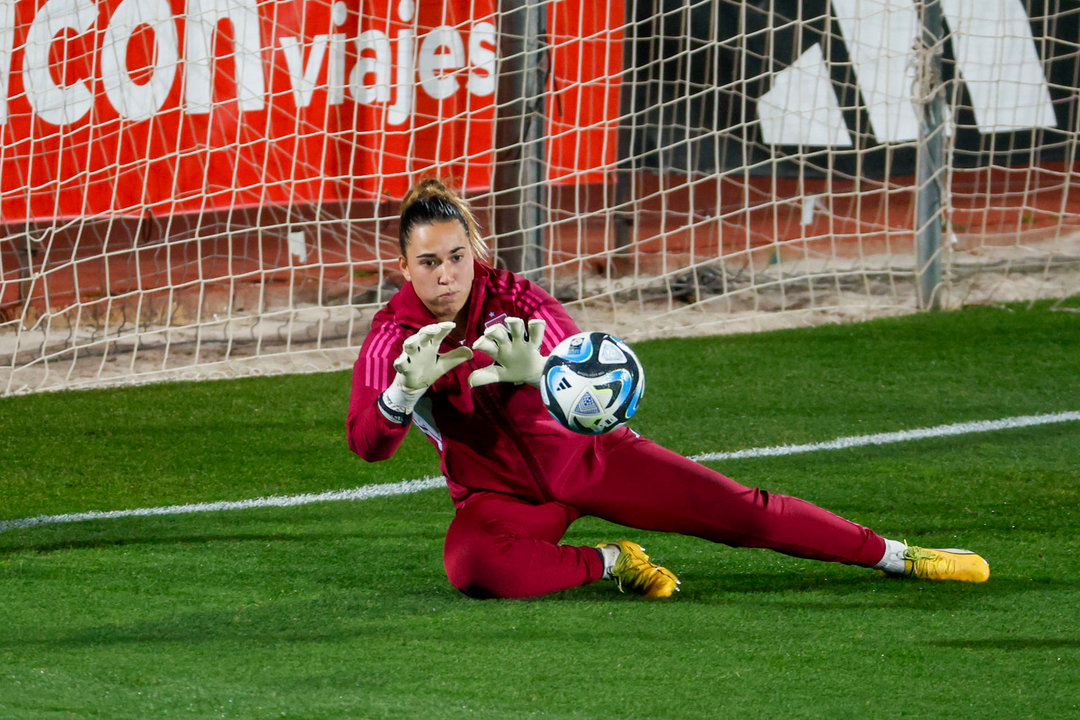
column 420, row 363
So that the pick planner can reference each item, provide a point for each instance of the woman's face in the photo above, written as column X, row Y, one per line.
column 439, row 263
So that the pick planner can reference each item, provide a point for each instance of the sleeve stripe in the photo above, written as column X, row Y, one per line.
column 554, row 334
column 378, row 364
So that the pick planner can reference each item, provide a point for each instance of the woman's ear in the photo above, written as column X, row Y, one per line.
column 403, row 265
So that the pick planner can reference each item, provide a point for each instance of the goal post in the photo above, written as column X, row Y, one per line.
column 929, row 98
column 201, row 188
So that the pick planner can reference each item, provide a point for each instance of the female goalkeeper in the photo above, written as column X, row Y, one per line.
column 518, row 478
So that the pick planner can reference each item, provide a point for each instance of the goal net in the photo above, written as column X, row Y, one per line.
column 209, row 188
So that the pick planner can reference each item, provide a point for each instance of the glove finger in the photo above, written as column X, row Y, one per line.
column 402, row 363
column 516, row 329
column 492, row 339
column 498, row 333
column 485, row 376
column 411, row 346
column 441, row 330
column 449, row 361
column 536, row 332
column 426, row 335
column 486, row 345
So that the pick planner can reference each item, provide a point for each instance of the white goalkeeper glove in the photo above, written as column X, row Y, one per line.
column 418, row 366
column 517, row 359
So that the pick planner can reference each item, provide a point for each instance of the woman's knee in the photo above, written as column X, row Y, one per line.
column 481, row 570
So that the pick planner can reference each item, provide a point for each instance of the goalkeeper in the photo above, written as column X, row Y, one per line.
column 459, row 350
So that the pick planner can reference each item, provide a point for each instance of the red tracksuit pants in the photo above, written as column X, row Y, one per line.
column 500, row 545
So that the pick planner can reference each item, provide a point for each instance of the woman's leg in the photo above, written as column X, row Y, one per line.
column 499, row 546
column 647, row 486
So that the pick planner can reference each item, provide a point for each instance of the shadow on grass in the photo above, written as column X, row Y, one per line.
column 44, row 548
column 859, row 591
column 1009, row 644
column 62, row 539
column 255, row 627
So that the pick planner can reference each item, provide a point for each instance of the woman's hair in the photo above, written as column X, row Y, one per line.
column 430, row 201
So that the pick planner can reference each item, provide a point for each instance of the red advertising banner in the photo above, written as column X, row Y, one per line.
column 129, row 107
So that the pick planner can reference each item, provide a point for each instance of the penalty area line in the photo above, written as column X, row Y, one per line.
column 406, row 487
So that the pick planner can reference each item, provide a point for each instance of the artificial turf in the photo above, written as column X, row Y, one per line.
column 342, row 610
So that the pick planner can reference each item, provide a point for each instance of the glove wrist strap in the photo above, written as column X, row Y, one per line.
column 396, row 403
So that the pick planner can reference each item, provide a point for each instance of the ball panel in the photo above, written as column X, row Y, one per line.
column 610, row 354
column 580, row 349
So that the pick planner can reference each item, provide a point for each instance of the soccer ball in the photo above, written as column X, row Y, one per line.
column 592, row 383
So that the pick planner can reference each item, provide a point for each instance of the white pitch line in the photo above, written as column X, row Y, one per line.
column 405, row 487
column 896, row 437
column 364, row 492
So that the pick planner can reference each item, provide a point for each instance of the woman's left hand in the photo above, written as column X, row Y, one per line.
column 517, row 357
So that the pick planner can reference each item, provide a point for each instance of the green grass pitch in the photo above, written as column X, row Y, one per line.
column 342, row 610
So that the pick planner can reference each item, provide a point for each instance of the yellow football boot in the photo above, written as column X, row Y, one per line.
column 945, row 564
column 635, row 572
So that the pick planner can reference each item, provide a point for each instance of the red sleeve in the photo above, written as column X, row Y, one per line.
column 372, row 435
column 559, row 323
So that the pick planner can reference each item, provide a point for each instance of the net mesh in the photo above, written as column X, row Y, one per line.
column 209, row 189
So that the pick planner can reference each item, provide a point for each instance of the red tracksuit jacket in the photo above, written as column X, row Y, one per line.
column 497, row 437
